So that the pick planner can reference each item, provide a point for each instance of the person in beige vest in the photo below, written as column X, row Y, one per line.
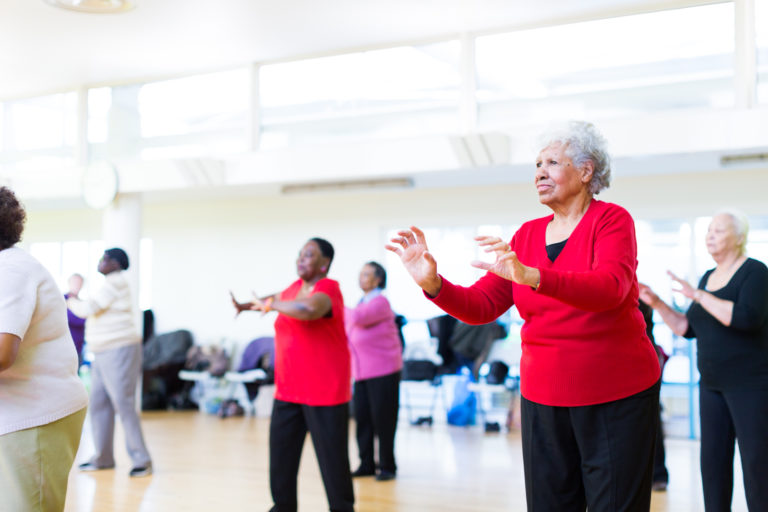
column 116, row 345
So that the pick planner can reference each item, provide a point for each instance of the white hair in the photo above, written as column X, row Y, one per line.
column 583, row 143
column 740, row 226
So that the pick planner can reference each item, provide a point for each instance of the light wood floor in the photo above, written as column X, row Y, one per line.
column 203, row 463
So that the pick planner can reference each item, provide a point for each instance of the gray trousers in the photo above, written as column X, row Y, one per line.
column 114, row 376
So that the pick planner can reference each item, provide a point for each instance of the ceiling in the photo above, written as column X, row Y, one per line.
column 44, row 49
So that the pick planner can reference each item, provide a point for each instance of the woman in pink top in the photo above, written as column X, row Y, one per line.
column 377, row 358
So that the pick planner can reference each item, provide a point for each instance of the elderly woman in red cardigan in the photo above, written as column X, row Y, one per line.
column 589, row 375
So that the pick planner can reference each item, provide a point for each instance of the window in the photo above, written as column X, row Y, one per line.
column 145, row 273
column 99, row 105
column 2, row 125
column 608, row 68
column 761, row 27
column 62, row 259
column 199, row 104
column 394, row 92
column 38, row 134
column 202, row 115
column 42, row 123
column 454, row 249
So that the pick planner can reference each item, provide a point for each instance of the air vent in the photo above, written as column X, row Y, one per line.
column 753, row 158
column 337, row 186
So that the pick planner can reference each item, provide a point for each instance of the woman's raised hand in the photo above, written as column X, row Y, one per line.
column 648, row 296
column 239, row 306
column 507, row 265
column 411, row 246
column 685, row 288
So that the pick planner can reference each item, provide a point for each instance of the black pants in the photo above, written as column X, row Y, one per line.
column 725, row 417
column 377, row 401
column 329, row 428
column 660, row 473
column 597, row 456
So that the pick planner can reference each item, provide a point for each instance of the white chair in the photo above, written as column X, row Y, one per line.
column 237, row 381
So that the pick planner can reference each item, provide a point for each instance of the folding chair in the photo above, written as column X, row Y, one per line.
column 424, row 371
column 494, row 393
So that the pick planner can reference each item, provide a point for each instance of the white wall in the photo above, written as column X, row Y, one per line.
column 203, row 248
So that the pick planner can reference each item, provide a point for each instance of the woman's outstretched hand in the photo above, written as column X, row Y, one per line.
column 507, row 265
column 685, row 288
column 648, row 296
column 239, row 306
column 256, row 304
column 411, row 246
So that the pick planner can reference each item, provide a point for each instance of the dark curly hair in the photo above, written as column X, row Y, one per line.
column 12, row 217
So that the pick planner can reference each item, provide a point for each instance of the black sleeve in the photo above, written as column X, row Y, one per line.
column 750, row 309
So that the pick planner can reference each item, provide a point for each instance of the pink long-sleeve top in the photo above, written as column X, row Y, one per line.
column 583, row 340
column 374, row 340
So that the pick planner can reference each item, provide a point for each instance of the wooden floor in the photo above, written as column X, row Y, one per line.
column 203, row 463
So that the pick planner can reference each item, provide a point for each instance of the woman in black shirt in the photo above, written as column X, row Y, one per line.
column 729, row 318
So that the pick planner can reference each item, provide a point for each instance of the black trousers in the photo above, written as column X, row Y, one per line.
column 660, row 473
column 329, row 429
column 377, row 402
column 725, row 417
column 597, row 456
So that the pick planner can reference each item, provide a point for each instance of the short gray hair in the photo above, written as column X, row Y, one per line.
column 740, row 226
column 583, row 143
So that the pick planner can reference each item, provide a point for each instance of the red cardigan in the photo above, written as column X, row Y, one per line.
column 312, row 364
column 583, row 340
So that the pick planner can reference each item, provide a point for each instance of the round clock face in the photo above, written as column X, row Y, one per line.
column 99, row 184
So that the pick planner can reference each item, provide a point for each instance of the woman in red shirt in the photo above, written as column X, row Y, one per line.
column 312, row 380
column 589, row 374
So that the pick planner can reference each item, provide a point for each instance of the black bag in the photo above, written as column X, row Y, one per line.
column 419, row 369
column 497, row 372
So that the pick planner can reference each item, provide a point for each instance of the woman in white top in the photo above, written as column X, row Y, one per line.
column 116, row 345
column 42, row 401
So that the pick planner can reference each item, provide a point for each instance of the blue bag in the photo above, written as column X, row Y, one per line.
column 462, row 412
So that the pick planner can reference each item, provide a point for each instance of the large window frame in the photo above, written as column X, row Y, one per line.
column 258, row 131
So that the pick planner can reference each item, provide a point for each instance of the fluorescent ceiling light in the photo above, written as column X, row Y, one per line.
column 95, row 6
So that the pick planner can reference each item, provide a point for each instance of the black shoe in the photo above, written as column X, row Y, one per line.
column 384, row 476
column 659, row 486
column 90, row 466
column 361, row 471
column 141, row 471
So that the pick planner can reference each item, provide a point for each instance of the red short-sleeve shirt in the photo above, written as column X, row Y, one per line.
column 312, row 364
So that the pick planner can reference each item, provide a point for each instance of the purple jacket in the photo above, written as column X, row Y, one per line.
column 374, row 340
column 76, row 328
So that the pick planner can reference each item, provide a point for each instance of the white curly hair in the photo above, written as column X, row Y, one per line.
column 583, row 143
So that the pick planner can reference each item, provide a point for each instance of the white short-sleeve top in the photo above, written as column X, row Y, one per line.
column 42, row 385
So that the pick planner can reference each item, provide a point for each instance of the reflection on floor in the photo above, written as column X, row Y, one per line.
column 205, row 463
